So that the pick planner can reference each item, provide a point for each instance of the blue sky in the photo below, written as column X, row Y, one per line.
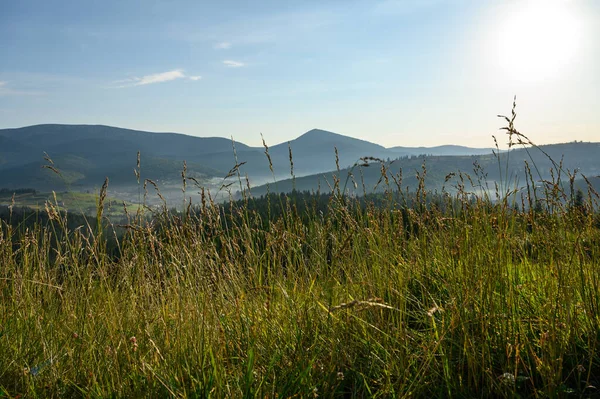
column 395, row 72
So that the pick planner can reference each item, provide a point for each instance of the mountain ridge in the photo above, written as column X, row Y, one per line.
column 310, row 133
column 88, row 153
column 487, row 169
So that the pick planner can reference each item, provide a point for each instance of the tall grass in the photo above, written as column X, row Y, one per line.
column 466, row 296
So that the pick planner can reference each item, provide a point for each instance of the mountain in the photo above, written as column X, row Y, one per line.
column 315, row 151
column 317, row 140
column 312, row 152
column 97, row 141
column 85, row 154
column 583, row 157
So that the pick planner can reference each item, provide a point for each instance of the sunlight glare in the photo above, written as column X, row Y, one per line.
column 538, row 40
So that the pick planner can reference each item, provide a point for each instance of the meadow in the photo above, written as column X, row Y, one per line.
column 447, row 294
column 74, row 202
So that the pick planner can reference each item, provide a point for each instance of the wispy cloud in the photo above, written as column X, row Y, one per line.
column 5, row 90
column 233, row 64
column 155, row 78
column 222, row 45
column 160, row 77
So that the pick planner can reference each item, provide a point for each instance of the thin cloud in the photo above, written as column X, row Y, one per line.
column 233, row 64
column 155, row 78
column 160, row 77
column 223, row 45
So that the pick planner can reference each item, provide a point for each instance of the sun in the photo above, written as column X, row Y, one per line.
column 538, row 39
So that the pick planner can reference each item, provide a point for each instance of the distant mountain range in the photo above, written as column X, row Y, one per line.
column 85, row 154
column 487, row 170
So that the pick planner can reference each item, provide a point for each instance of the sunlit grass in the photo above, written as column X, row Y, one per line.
column 75, row 202
column 460, row 296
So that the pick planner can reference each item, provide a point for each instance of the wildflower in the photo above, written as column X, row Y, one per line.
column 134, row 344
column 433, row 311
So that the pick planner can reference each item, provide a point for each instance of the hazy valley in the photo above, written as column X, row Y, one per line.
column 86, row 154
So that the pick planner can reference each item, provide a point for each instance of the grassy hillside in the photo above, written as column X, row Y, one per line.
column 426, row 296
column 405, row 293
column 74, row 202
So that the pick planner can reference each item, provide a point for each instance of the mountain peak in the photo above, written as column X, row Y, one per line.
column 320, row 137
column 314, row 133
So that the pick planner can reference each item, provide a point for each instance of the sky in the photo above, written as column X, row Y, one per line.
column 394, row 72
